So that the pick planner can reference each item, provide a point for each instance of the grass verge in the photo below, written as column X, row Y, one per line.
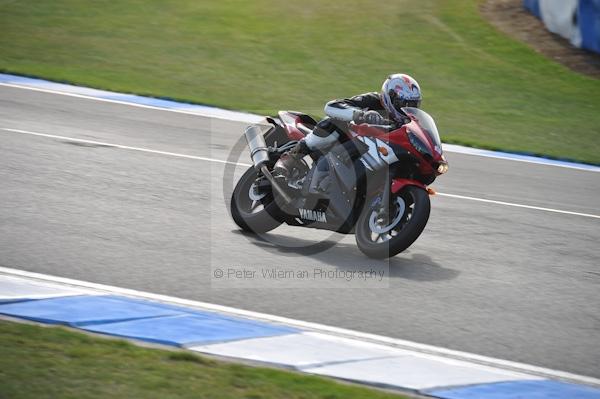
column 42, row 362
column 484, row 88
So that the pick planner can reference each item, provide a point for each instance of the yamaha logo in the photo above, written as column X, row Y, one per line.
column 315, row 216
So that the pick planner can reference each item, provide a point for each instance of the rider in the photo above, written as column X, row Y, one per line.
column 384, row 108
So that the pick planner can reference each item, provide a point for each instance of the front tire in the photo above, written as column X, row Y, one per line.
column 381, row 238
column 251, row 210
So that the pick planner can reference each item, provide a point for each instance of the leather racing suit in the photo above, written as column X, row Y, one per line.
column 340, row 113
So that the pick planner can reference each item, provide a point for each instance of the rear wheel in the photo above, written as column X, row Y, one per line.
column 253, row 207
column 383, row 236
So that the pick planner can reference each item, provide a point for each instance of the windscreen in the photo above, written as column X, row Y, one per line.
column 427, row 123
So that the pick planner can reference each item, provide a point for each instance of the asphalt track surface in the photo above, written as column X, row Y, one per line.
column 513, row 283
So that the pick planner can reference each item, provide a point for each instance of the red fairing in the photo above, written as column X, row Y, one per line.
column 399, row 184
column 290, row 121
column 368, row 131
column 400, row 137
column 293, row 133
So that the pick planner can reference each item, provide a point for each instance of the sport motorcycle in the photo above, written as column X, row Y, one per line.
column 373, row 182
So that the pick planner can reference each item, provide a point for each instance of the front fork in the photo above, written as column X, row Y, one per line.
column 394, row 186
column 385, row 201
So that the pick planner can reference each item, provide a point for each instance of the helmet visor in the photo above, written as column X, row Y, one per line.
column 399, row 103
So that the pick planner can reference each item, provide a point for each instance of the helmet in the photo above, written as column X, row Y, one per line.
column 400, row 90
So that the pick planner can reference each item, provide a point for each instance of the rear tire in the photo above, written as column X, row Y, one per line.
column 256, row 214
column 402, row 230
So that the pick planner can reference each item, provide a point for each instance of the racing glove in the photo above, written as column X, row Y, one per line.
column 370, row 117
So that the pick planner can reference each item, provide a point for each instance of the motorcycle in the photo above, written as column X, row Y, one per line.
column 371, row 183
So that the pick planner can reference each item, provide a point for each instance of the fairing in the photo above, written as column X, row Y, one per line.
column 427, row 125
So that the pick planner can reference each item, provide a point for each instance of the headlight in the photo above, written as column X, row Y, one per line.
column 418, row 144
column 442, row 168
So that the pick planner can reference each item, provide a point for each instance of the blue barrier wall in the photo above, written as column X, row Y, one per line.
column 533, row 6
column 582, row 30
column 588, row 14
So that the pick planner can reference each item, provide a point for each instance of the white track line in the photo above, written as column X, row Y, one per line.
column 124, row 147
column 178, row 155
column 341, row 332
column 538, row 208
column 106, row 100
column 250, row 118
column 477, row 152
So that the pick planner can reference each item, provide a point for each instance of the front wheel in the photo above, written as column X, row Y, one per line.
column 253, row 207
column 383, row 236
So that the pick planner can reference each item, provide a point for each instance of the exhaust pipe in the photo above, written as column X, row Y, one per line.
column 259, row 152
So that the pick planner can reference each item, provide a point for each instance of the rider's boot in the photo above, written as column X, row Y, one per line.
column 323, row 136
column 288, row 161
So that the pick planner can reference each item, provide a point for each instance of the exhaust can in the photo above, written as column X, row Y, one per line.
column 256, row 142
